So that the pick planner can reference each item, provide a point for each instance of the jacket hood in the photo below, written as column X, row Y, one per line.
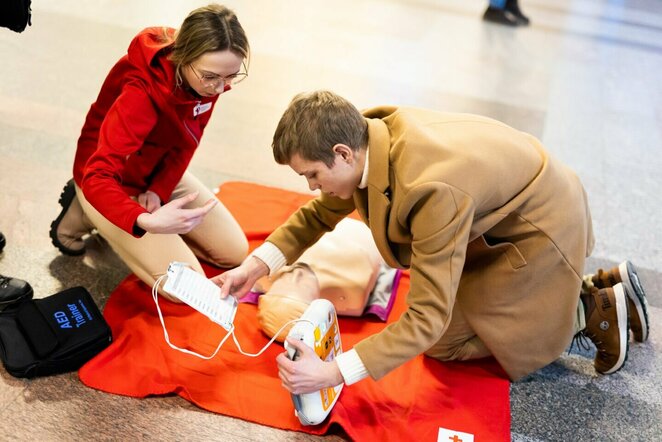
column 148, row 53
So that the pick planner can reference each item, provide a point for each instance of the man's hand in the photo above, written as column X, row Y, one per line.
column 173, row 218
column 240, row 280
column 308, row 373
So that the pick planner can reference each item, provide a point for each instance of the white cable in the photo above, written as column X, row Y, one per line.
column 253, row 355
column 155, row 296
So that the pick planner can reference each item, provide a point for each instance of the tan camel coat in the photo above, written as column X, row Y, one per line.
column 483, row 216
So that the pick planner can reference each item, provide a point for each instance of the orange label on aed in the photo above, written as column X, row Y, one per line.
column 327, row 347
column 327, row 395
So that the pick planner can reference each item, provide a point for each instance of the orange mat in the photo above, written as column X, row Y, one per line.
column 421, row 400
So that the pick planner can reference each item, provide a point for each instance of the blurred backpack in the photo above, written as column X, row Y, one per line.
column 15, row 14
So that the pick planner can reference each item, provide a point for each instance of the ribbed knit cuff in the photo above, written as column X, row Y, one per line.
column 271, row 256
column 351, row 367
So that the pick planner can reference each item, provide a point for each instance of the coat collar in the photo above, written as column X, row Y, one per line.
column 379, row 146
column 374, row 203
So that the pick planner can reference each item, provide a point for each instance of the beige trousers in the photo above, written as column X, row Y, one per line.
column 218, row 240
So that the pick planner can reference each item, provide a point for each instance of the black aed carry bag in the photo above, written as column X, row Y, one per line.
column 52, row 335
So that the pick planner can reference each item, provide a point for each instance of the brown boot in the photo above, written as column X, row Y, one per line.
column 71, row 225
column 607, row 326
column 627, row 274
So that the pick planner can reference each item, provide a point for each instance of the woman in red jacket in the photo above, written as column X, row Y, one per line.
column 129, row 178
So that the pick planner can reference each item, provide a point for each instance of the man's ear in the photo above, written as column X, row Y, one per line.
column 345, row 152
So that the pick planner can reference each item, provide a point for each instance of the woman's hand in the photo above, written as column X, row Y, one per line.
column 173, row 218
column 240, row 280
column 150, row 201
column 308, row 373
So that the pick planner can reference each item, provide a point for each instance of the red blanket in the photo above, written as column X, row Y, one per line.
column 411, row 403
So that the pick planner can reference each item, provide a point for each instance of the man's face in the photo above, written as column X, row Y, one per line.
column 339, row 180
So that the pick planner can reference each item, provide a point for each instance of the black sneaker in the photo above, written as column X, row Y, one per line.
column 13, row 290
column 513, row 7
column 500, row 16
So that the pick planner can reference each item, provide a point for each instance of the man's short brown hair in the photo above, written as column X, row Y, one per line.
column 313, row 123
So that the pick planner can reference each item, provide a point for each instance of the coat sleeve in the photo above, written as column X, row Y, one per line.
column 305, row 226
column 124, row 129
column 438, row 217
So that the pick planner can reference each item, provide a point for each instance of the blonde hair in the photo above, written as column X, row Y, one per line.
column 313, row 123
column 207, row 29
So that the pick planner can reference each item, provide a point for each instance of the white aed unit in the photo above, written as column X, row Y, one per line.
column 318, row 329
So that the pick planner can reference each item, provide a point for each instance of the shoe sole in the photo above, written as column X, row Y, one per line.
column 66, row 197
column 622, row 314
column 24, row 297
column 635, row 292
column 503, row 22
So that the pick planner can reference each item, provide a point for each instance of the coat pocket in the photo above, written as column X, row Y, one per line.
column 514, row 256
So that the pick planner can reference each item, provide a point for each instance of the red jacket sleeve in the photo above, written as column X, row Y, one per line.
column 126, row 126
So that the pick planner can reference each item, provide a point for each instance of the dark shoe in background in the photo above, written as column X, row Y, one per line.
column 500, row 16
column 3, row 241
column 13, row 290
column 512, row 6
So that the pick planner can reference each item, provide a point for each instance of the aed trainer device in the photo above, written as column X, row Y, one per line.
column 318, row 329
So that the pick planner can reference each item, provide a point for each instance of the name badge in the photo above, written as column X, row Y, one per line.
column 201, row 108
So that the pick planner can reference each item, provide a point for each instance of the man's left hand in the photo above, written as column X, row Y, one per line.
column 308, row 373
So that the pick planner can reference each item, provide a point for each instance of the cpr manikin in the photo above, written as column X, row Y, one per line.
column 342, row 267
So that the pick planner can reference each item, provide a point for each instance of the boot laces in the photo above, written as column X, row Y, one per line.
column 582, row 339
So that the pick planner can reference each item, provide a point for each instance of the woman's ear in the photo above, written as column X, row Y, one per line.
column 345, row 152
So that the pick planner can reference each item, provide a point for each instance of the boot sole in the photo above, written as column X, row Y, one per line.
column 622, row 314
column 66, row 197
column 24, row 297
column 635, row 292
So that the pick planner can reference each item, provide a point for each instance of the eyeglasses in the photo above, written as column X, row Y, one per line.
column 214, row 81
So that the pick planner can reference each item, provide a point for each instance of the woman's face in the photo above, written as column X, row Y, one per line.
column 213, row 72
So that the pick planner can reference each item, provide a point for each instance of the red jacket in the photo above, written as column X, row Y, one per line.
column 141, row 132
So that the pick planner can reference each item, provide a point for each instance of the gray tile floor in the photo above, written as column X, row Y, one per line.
column 585, row 78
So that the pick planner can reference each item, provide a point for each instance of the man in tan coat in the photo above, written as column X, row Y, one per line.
column 493, row 229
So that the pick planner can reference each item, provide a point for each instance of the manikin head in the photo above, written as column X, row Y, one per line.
column 341, row 267
column 290, row 292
